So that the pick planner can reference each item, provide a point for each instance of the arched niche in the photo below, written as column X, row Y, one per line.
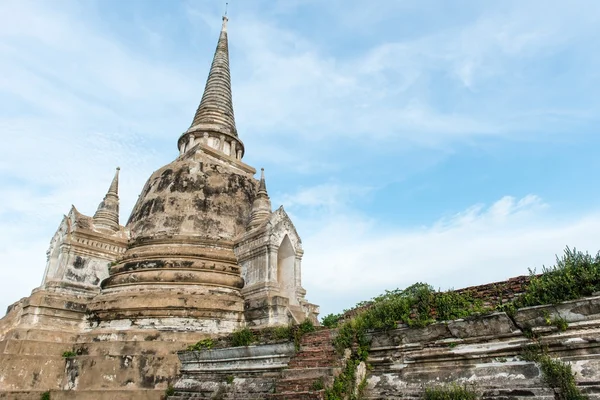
column 286, row 259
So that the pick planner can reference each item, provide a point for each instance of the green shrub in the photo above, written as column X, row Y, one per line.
column 343, row 384
column 561, row 324
column 331, row 320
column 282, row 332
column 575, row 275
column 417, row 306
column 242, row 337
column 69, row 353
column 450, row 392
column 170, row 391
column 45, row 396
column 318, row 385
column 306, row 327
column 558, row 375
column 204, row 344
column 229, row 379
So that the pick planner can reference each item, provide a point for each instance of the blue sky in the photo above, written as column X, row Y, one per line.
column 452, row 143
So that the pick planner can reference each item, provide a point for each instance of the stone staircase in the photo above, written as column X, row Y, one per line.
column 310, row 370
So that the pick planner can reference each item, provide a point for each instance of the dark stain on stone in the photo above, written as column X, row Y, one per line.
column 126, row 361
column 165, row 180
column 173, row 221
column 184, row 181
column 35, row 378
column 69, row 305
column 70, row 275
column 202, row 205
column 151, row 206
column 152, row 337
column 520, row 392
column 79, row 262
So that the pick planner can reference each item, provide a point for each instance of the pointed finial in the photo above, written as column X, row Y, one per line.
column 114, row 186
column 107, row 215
column 262, row 186
column 225, row 19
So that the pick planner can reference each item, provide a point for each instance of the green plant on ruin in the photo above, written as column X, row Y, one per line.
column 417, row 306
column 318, row 385
column 69, row 354
column 282, row 332
column 343, row 384
column 45, row 396
column 331, row 320
column 170, row 391
column 242, row 337
column 300, row 330
column 450, row 392
column 575, row 275
column 558, row 322
column 556, row 373
column 529, row 333
column 204, row 344
column 229, row 379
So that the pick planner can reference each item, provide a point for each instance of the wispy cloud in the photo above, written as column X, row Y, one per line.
column 351, row 257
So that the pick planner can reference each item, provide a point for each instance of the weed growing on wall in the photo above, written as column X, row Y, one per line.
column 205, row 344
column 69, row 353
column 170, row 391
column 417, row 306
column 575, row 275
column 450, row 392
column 242, row 337
column 45, row 396
column 556, row 373
column 331, row 320
column 318, row 385
column 559, row 375
column 344, row 383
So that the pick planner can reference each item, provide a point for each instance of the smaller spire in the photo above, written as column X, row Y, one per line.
column 261, row 207
column 114, row 185
column 107, row 215
column 262, row 186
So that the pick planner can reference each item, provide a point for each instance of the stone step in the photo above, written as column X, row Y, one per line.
column 316, row 395
column 313, row 362
column 316, row 337
column 301, row 384
column 86, row 395
column 303, row 355
column 310, row 373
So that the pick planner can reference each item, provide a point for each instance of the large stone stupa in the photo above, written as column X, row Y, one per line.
column 202, row 254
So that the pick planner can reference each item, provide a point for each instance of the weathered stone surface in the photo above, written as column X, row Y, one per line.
column 273, row 371
column 486, row 352
column 571, row 311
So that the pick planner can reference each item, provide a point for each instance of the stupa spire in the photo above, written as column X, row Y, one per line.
column 107, row 215
column 262, row 185
column 216, row 107
column 214, row 123
column 261, row 207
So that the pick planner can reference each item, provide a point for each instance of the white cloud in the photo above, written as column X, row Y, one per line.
column 350, row 257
